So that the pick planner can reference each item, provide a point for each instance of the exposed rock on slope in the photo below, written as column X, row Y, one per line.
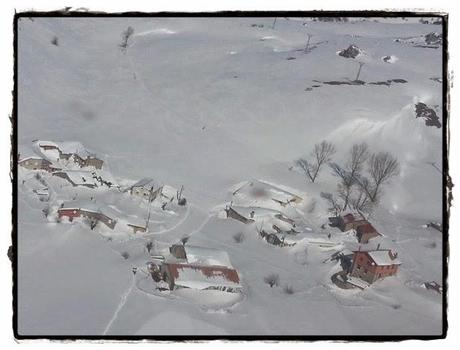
column 423, row 111
column 351, row 52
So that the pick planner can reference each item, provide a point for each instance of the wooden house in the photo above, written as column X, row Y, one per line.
column 373, row 265
column 365, row 232
column 350, row 221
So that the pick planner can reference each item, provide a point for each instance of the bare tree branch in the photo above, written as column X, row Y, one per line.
column 321, row 154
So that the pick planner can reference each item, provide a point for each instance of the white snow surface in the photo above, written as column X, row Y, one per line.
column 205, row 103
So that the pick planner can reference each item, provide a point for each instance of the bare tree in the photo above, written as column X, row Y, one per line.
column 382, row 167
column 359, row 154
column 321, row 154
column 149, row 246
column 125, row 37
column 334, row 205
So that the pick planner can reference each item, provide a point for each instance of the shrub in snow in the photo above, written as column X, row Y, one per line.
column 288, row 289
column 46, row 211
column 125, row 255
column 149, row 246
column 54, row 41
column 238, row 237
column 272, row 280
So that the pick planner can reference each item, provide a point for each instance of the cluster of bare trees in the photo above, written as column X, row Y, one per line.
column 361, row 178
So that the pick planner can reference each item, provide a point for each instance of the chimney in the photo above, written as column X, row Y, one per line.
column 378, row 246
column 359, row 248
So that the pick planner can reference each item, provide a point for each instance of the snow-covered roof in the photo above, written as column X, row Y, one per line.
column 275, row 191
column 168, row 191
column 358, row 282
column 84, row 204
column 145, row 182
column 207, row 256
column 91, row 206
column 79, row 177
column 26, row 153
column 258, row 211
column 68, row 147
column 203, row 277
column 382, row 257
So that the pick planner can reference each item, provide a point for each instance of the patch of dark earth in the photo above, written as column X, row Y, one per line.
column 438, row 80
column 388, row 82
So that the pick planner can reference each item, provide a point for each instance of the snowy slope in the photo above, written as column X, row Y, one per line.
column 208, row 103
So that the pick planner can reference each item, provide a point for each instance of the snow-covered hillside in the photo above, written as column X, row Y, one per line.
column 213, row 104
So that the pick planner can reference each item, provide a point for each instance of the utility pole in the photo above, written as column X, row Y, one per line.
column 150, row 206
column 361, row 64
column 308, row 43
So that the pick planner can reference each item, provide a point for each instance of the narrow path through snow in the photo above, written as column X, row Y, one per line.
column 123, row 300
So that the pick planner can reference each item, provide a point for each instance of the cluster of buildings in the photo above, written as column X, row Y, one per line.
column 72, row 162
column 197, row 268
column 67, row 160
column 265, row 204
column 368, row 265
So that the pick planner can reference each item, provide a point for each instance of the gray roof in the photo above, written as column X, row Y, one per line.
column 143, row 182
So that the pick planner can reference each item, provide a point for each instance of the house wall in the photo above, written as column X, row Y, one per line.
column 362, row 268
column 140, row 191
column 70, row 213
column 109, row 222
column 95, row 162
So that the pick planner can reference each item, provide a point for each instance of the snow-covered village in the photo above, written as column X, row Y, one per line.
column 230, row 176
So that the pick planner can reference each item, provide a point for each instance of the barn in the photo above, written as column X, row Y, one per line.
column 373, row 265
